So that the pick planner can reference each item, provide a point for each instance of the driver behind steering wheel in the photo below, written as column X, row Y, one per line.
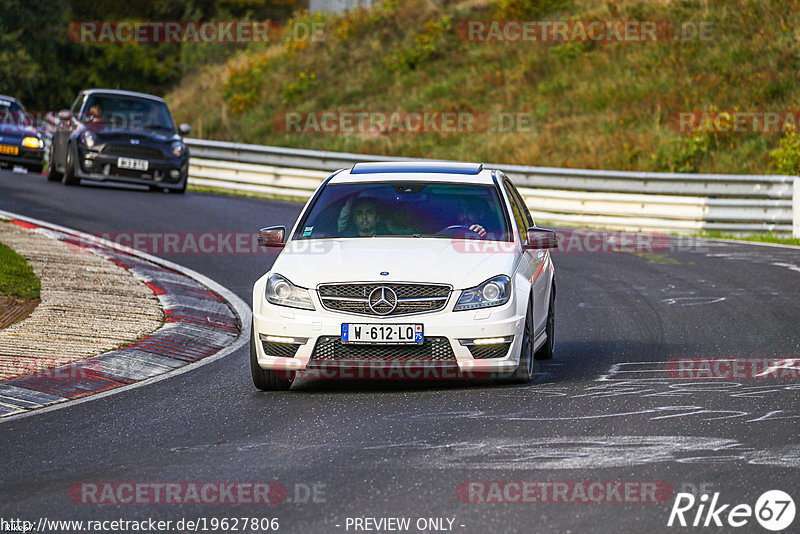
column 468, row 215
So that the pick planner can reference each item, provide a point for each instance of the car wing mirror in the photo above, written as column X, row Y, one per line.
column 272, row 237
column 184, row 129
column 539, row 238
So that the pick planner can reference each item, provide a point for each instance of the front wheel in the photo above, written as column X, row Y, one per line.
column 69, row 171
column 52, row 174
column 266, row 379
column 527, row 363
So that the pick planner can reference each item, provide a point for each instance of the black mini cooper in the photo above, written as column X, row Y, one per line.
column 119, row 136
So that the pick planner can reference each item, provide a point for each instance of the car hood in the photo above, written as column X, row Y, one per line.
column 107, row 135
column 17, row 131
column 460, row 263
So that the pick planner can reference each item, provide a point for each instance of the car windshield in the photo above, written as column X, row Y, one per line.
column 12, row 114
column 107, row 112
column 406, row 209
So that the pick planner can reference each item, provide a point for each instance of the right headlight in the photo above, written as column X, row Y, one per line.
column 282, row 292
column 493, row 292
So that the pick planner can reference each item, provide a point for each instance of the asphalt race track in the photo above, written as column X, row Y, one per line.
column 605, row 409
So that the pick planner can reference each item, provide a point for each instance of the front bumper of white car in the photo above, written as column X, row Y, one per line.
column 471, row 342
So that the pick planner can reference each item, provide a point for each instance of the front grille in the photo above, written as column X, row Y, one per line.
column 282, row 350
column 134, row 151
column 331, row 348
column 411, row 298
column 485, row 352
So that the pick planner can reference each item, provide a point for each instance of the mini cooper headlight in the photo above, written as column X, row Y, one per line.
column 178, row 149
column 282, row 292
column 493, row 292
column 88, row 138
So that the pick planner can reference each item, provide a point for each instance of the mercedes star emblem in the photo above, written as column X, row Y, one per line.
column 382, row 300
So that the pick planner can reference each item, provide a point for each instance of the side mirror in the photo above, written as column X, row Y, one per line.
column 272, row 236
column 184, row 129
column 64, row 115
column 539, row 238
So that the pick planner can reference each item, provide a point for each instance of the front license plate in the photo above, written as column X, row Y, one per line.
column 9, row 149
column 135, row 164
column 397, row 334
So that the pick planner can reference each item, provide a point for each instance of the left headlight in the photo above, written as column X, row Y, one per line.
column 282, row 292
column 32, row 142
column 89, row 139
column 178, row 149
column 493, row 292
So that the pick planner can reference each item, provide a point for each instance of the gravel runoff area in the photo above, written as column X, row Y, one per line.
column 89, row 305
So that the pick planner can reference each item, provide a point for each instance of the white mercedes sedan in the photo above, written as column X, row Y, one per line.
column 406, row 270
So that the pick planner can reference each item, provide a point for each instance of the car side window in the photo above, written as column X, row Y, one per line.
column 522, row 206
column 519, row 218
column 76, row 106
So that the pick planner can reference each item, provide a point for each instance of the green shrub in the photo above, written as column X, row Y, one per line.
column 424, row 46
column 299, row 87
column 786, row 158
column 243, row 86
column 526, row 9
column 683, row 154
column 362, row 21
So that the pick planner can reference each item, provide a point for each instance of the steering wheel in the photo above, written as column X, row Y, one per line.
column 459, row 229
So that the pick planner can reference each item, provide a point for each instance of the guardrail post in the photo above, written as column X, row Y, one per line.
column 796, row 208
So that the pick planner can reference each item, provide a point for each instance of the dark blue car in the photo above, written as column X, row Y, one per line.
column 20, row 143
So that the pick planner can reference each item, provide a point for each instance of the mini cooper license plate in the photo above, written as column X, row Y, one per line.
column 397, row 334
column 9, row 149
column 135, row 164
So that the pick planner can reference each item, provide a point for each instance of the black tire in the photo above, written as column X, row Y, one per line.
column 182, row 189
column 52, row 173
column 69, row 177
column 265, row 379
column 546, row 351
column 527, row 363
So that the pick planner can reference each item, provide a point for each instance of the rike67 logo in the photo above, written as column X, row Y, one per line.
column 774, row 510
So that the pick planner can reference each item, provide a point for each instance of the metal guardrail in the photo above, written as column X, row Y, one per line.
column 634, row 201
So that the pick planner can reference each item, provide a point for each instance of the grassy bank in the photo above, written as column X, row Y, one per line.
column 16, row 276
column 760, row 238
column 593, row 104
